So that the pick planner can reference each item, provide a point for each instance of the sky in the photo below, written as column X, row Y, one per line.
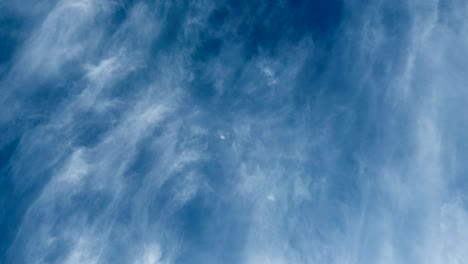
column 234, row 131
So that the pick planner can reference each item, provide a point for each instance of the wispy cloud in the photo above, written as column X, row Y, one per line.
column 222, row 132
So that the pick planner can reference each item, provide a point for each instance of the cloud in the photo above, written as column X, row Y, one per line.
column 206, row 132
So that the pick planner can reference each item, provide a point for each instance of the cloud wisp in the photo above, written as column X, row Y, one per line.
column 233, row 132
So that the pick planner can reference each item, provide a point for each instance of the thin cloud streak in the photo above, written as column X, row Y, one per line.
column 206, row 132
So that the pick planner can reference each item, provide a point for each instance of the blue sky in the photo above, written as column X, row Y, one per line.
column 173, row 132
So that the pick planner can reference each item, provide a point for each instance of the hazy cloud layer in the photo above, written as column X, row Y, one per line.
column 233, row 131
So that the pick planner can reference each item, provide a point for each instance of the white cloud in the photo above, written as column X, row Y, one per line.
column 309, row 189
column 151, row 255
